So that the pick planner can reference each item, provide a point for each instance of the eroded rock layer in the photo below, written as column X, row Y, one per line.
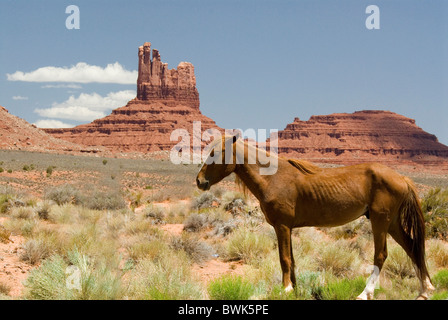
column 370, row 135
column 167, row 99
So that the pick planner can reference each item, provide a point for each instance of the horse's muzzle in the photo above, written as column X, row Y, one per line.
column 203, row 185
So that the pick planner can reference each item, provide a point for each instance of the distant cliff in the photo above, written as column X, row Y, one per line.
column 370, row 135
column 167, row 99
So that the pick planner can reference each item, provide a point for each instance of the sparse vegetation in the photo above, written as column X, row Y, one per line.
column 435, row 208
column 111, row 232
column 230, row 288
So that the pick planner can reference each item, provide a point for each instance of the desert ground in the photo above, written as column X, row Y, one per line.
column 94, row 227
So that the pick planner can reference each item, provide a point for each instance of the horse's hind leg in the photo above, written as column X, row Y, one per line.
column 380, row 224
column 400, row 236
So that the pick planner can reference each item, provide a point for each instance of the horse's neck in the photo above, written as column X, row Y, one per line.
column 249, row 173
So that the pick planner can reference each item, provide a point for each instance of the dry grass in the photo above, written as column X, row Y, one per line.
column 123, row 253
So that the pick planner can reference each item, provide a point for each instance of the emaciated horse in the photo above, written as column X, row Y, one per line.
column 301, row 194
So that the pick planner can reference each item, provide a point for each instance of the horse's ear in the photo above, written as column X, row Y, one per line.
column 235, row 137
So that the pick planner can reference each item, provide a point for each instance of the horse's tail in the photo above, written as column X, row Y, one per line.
column 413, row 224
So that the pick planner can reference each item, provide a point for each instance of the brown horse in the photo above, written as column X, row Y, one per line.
column 299, row 194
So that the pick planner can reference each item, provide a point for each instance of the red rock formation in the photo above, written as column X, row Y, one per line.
column 17, row 134
column 360, row 136
column 155, row 81
column 166, row 100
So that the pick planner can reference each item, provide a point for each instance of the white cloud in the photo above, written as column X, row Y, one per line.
column 48, row 123
column 80, row 73
column 19, row 98
column 69, row 86
column 87, row 107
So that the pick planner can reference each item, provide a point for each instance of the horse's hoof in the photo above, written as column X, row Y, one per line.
column 289, row 289
column 365, row 296
column 422, row 297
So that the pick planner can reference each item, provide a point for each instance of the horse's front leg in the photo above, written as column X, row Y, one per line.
column 286, row 257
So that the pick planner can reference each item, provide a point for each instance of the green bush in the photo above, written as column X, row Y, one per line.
column 80, row 279
column 435, row 209
column 50, row 170
column 440, row 280
column 344, row 289
column 230, row 288
column 168, row 278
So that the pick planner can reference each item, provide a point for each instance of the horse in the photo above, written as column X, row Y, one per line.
column 301, row 194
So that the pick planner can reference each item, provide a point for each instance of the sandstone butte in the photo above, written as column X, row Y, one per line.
column 167, row 99
column 18, row 134
column 370, row 135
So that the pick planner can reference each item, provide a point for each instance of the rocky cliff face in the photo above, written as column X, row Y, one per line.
column 18, row 134
column 157, row 82
column 166, row 100
column 360, row 136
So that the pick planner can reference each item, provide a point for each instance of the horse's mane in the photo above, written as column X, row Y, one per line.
column 241, row 185
column 304, row 166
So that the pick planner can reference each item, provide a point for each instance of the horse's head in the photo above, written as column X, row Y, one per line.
column 219, row 163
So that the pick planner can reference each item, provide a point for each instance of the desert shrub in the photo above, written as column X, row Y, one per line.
column 146, row 249
column 350, row 230
column 135, row 199
column 236, row 206
column 43, row 210
column 155, row 213
column 88, row 279
column 7, row 196
column 104, row 162
column 435, row 208
column 398, row 263
column 4, row 235
column 195, row 222
column 309, row 284
column 246, row 245
column 23, row 227
column 341, row 289
column 63, row 194
column 104, row 200
column 1, row 169
column 230, row 287
column 142, row 226
column 50, row 170
column 34, row 251
column 47, row 282
column 204, row 200
column 438, row 252
column 199, row 251
column 4, row 289
column 168, row 278
column 25, row 213
column 338, row 258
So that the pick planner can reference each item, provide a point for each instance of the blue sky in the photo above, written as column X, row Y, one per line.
column 258, row 64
